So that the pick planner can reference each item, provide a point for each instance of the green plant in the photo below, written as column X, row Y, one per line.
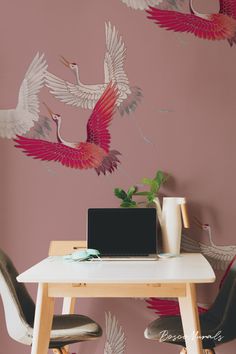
column 126, row 198
column 154, row 187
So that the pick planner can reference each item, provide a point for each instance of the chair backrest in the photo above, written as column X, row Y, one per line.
column 19, row 307
column 223, row 310
column 61, row 248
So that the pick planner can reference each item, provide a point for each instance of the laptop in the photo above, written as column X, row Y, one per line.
column 123, row 233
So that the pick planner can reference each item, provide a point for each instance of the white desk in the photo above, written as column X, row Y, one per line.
column 174, row 277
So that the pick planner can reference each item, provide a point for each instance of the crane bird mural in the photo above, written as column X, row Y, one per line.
column 115, row 337
column 218, row 255
column 168, row 307
column 141, row 4
column 216, row 26
column 86, row 95
column 22, row 118
column 144, row 4
column 93, row 153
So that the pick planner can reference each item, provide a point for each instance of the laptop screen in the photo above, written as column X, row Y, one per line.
column 123, row 231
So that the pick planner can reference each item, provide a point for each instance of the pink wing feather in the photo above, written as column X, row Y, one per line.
column 100, row 119
column 85, row 156
column 164, row 307
column 228, row 7
column 215, row 27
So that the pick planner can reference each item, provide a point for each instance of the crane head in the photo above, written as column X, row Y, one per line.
column 202, row 226
column 53, row 115
column 68, row 64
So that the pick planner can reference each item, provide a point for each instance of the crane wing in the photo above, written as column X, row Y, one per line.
column 188, row 244
column 84, row 157
column 100, row 119
column 166, row 307
column 115, row 337
column 228, row 7
column 84, row 96
column 41, row 128
column 141, row 4
column 218, row 256
column 31, row 85
column 114, row 61
column 214, row 27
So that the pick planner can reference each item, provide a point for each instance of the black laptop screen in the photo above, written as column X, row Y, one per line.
column 122, row 231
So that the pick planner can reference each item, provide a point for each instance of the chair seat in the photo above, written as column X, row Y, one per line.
column 169, row 329
column 217, row 324
column 68, row 329
column 20, row 310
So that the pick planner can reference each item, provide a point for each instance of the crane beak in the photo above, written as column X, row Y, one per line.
column 64, row 61
column 49, row 110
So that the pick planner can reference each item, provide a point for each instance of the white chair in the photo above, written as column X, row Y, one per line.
column 19, row 311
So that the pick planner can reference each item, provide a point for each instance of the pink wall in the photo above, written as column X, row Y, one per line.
column 187, row 114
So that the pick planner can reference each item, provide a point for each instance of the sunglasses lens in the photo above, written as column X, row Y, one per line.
column 78, row 256
column 93, row 252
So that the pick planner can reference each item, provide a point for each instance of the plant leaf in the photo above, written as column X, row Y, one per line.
column 120, row 193
column 131, row 204
column 161, row 178
column 141, row 193
column 154, row 186
column 147, row 181
column 131, row 191
column 150, row 197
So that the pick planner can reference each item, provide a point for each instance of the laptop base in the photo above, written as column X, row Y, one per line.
column 153, row 257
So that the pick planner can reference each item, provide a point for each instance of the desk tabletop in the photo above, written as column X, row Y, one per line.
column 188, row 267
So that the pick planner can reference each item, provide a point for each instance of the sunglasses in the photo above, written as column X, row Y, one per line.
column 85, row 255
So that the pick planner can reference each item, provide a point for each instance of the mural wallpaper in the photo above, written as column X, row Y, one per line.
column 179, row 100
column 218, row 255
column 94, row 153
column 115, row 337
column 22, row 118
column 206, row 26
column 86, row 96
column 144, row 4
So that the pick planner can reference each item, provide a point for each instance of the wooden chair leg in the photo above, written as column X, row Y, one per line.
column 57, row 351
column 183, row 351
column 64, row 350
column 205, row 351
column 60, row 351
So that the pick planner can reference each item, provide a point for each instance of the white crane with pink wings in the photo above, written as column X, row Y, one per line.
column 141, row 4
column 87, row 95
column 19, row 120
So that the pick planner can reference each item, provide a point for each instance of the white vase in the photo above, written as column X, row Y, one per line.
column 171, row 224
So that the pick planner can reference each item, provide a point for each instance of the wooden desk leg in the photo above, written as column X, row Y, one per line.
column 42, row 321
column 68, row 305
column 68, row 308
column 190, row 320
